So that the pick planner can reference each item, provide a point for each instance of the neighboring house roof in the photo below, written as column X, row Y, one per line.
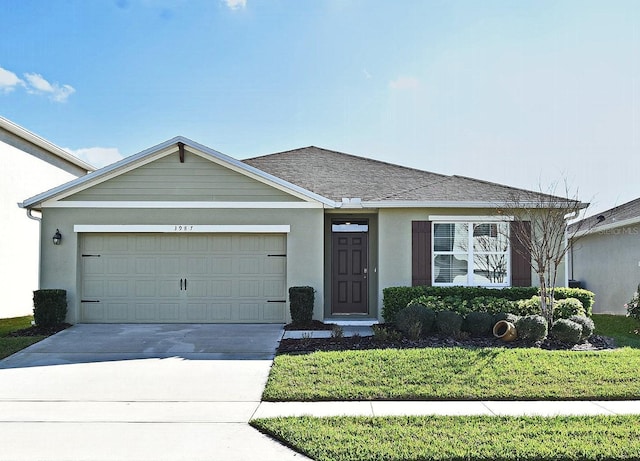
column 42, row 143
column 336, row 175
column 620, row 216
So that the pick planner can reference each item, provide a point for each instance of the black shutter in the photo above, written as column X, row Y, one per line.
column 520, row 255
column 421, row 253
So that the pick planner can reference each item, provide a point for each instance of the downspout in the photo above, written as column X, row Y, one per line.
column 39, row 219
column 569, row 255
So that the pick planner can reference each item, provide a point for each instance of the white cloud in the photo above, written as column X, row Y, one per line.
column 404, row 83
column 58, row 93
column 9, row 81
column 236, row 4
column 97, row 156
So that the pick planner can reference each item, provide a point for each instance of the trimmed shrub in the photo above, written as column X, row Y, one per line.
column 587, row 325
column 586, row 297
column 492, row 304
column 565, row 308
column 396, row 298
column 567, row 331
column 301, row 300
column 633, row 306
column 49, row 307
column 478, row 323
column 430, row 302
column 449, row 323
column 511, row 318
column 531, row 306
column 415, row 320
column 532, row 327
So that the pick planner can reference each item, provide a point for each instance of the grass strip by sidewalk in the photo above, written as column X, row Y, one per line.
column 9, row 345
column 448, row 438
column 456, row 374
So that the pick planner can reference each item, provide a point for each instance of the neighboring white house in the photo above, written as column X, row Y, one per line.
column 28, row 164
column 606, row 258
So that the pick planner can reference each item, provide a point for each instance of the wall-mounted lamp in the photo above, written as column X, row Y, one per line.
column 57, row 237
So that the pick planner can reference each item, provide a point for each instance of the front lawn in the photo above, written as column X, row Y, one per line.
column 449, row 438
column 465, row 373
column 11, row 345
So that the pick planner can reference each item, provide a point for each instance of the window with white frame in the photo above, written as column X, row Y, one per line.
column 471, row 253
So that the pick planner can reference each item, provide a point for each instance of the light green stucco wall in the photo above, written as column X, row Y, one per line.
column 608, row 263
column 60, row 264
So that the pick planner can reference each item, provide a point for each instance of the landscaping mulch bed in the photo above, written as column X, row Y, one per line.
column 40, row 331
column 308, row 345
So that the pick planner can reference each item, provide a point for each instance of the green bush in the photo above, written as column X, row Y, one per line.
column 432, row 302
column 586, row 297
column 383, row 333
column 449, row 323
column 531, row 306
column 565, row 308
column 395, row 298
column 633, row 306
column 478, row 323
column 492, row 304
column 567, row 331
column 587, row 325
column 532, row 327
column 509, row 317
column 49, row 307
column 301, row 300
column 415, row 320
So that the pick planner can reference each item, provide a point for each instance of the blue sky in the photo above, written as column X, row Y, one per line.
column 523, row 93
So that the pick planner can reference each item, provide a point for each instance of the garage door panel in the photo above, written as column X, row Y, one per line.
column 274, row 311
column 229, row 278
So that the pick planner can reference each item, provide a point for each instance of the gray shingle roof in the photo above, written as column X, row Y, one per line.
column 610, row 218
column 336, row 175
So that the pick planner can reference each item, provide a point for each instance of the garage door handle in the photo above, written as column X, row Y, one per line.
column 180, row 284
column 185, row 284
column 89, row 301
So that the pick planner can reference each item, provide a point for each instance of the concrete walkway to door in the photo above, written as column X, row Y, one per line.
column 139, row 392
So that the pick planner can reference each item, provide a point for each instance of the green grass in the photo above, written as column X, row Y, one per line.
column 10, row 346
column 470, row 438
column 465, row 374
column 625, row 330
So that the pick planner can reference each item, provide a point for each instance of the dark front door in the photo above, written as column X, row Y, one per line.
column 349, row 279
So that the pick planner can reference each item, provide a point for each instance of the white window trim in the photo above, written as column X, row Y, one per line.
column 469, row 253
column 183, row 228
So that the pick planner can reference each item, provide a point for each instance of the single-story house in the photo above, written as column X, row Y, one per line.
column 605, row 257
column 28, row 164
column 183, row 233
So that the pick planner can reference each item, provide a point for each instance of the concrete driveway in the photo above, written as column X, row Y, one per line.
column 139, row 392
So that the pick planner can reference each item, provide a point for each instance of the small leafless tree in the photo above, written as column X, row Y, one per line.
column 542, row 233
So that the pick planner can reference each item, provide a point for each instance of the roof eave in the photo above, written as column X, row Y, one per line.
column 44, row 144
column 35, row 201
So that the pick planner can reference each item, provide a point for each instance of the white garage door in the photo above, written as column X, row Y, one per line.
column 195, row 278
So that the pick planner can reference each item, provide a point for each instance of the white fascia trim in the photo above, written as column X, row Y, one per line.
column 182, row 228
column 43, row 143
column 160, row 150
column 181, row 205
column 607, row 227
column 418, row 204
column 438, row 217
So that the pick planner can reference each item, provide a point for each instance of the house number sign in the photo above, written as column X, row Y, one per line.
column 184, row 228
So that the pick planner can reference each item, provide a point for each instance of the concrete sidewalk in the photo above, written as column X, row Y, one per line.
column 450, row 408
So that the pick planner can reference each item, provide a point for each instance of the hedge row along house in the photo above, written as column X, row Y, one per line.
column 183, row 233
column 28, row 164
